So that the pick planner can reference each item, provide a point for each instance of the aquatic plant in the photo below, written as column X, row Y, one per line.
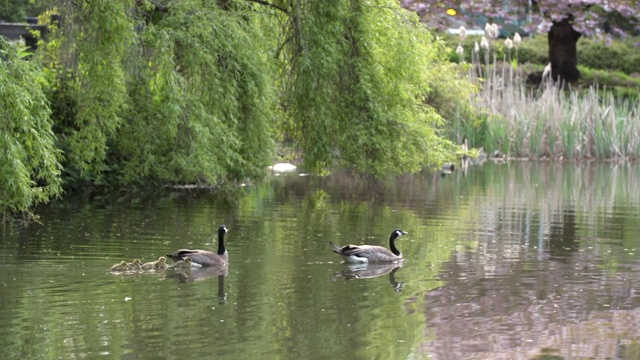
column 548, row 121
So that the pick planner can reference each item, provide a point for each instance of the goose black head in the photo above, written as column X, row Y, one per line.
column 222, row 230
column 397, row 233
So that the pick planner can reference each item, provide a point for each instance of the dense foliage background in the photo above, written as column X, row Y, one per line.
column 126, row 93
column 130, row 94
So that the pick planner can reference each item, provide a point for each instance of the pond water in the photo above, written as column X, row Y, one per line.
column 503, row 261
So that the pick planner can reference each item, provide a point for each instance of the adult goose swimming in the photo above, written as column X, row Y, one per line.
column 371, row 253
column 205, row 257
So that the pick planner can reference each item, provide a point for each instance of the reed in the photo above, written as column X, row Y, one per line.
column 545, row 122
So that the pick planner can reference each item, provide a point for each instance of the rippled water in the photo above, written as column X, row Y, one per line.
column 504, row 261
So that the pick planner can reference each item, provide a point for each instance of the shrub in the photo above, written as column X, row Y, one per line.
column 619, row 55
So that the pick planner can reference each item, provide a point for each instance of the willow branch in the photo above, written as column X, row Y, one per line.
column 266, row 3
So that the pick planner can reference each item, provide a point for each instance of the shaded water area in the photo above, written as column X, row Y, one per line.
column 505, row 261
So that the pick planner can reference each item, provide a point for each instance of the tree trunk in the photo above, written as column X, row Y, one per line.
column 563, row 51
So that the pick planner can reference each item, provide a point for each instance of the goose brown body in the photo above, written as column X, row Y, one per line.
column 371, row 253
column 205, row 257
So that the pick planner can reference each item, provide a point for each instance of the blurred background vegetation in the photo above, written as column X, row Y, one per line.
column 124, row 94
column 613, row 64
column 141, row 94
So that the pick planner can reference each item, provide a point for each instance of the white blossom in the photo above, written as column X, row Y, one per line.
column 491, row 30
column 517, row 39
column 547, row 71
column 484, row 43
column 460, row 50
column 488, row 30
column 496, row 30
column 508, row 43
column 463, row 32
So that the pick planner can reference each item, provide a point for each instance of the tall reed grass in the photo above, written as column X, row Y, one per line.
column 546, row 121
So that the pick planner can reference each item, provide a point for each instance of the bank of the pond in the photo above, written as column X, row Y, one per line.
column 508, row 113
column 549, row 122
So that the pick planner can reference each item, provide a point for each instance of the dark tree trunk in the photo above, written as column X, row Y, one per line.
column 563, row 51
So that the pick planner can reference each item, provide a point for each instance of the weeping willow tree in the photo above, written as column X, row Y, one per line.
column 202, row 105
column 357, row 73
column 29, row 160
column 180, row 92
column 185, row 91
column 191, row 90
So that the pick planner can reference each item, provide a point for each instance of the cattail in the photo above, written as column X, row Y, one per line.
column 508, row 43
column 517, row 39
column 463, row 33
column 491, row 30
column 547, row 71
column 488, row 30
column 484, row 43
column 496, row 30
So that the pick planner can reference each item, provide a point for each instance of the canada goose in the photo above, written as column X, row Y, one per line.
column 205, row 257
column 155, row 265
column 135, row 265
column 120, row 267
column 370, row 253
column 447, row 168
column 161, row 263
column 183, row 264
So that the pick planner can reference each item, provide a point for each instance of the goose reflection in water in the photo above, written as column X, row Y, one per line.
column 368, row 271
column 203, row 273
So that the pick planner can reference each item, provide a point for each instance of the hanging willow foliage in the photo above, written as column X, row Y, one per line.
column 180, row 92
column 103, row 32
column 203, row 103
column 357, row 76
column 29, row 160
column 184, row 91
